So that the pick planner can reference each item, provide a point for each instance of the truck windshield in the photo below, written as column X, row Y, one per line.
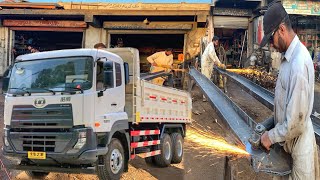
column 58, row 75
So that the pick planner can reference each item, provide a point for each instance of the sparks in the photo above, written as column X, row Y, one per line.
column 216, row 144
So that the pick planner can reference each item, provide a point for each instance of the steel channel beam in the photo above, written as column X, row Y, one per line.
column 263, row 95
column 239, row 122
column 276, row 162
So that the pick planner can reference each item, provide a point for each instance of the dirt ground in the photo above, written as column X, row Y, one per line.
column 199, row 161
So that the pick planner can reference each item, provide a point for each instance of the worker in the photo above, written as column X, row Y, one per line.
column 99, row 46
column 119, row 43
column 294, row 96
column 161, row 61
column 209, row 58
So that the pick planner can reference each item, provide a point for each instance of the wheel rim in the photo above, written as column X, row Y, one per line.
column 167, row 150
column 116, row 161
column 179, row 148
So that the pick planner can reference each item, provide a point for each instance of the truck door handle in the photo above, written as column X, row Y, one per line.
column 113, row 104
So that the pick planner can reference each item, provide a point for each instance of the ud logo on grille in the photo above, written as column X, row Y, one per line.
column 39, row 102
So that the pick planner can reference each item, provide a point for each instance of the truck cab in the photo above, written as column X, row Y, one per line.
column 82, row 111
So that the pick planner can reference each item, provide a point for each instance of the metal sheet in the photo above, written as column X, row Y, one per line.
column 275, row 162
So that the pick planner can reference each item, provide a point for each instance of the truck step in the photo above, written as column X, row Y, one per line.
column 144, row 143
column 147, row 154
column 144, row 132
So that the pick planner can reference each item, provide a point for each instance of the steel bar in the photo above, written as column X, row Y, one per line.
column 276, row 161
column 263, row 95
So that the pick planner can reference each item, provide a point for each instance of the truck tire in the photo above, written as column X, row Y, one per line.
column 113, row 162
column 164, row 159
column 177, row 148
column 37, row 175
column 149, row 160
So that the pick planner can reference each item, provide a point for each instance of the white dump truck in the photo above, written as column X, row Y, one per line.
column 88, row 111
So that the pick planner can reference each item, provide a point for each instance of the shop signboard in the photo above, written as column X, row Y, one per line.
column 44, row 23
column 302, row 7
column 231, row 12
column 151, row 26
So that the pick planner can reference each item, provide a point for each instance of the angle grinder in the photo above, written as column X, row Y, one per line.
column 255, row 139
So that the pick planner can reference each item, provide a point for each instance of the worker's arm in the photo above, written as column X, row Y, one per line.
column 151, row 59
column 213, row 56
column 170, row 62
column 297, row 104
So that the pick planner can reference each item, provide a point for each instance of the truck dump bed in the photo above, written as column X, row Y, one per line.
column 150, row 103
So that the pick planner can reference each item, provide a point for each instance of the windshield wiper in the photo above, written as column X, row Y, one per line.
column 21, row 89
column 49, row 90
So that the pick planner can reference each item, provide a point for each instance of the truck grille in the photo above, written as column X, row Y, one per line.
column 28, row 118
column 38, row 143
column 45, row 129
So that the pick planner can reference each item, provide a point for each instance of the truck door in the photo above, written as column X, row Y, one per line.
column 107, row 99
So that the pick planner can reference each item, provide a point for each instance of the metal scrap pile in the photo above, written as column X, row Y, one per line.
column 258, row 76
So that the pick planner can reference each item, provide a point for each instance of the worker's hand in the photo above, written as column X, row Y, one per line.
column 222, row 66
column 265, row 140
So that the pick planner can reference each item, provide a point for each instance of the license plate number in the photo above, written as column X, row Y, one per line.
column 36, row 155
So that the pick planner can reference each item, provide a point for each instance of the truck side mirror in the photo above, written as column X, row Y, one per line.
column 6, row 79
column 126, row 73
column 108, row 74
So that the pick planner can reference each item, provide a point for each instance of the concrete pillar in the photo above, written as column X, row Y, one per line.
column 94, row 35
column 4, row 49
column 193, row 41
column 250, row 38
column 210, row 28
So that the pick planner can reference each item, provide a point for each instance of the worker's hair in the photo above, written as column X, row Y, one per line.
column 215, row 38
column 169, row 49
column 287, row 23
column 99, row 45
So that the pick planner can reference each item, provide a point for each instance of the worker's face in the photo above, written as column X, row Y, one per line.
column 216, row 42
column 278, row 39
column 168, row 53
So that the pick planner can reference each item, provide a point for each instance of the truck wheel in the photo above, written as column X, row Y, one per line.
column 113, row 162
column 177, row 148
column 164, row 159
column 149, row 160
column 37, row 175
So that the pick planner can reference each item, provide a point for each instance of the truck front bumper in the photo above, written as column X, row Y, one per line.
column 64, row 154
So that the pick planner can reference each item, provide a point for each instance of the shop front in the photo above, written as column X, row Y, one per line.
column 305, row 18
column 149, row 27
column 231, row 26
column 150, row 37
column 28, row 36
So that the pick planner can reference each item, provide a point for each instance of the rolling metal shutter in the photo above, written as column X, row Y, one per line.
column 230, row 22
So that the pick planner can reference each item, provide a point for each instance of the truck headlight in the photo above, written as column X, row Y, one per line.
column 82, row 139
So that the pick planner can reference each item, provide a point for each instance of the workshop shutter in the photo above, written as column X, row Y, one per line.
column 230, row 22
